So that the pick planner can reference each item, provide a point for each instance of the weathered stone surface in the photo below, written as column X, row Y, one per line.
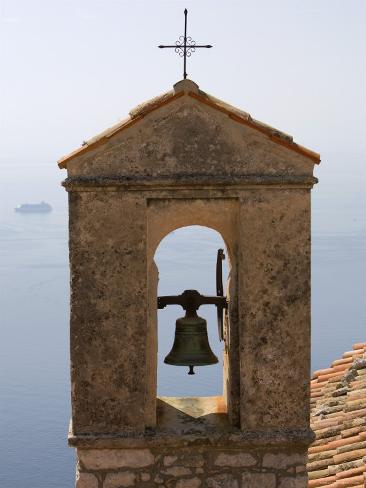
column 283, row 461
column 298, row 482
column 275, row 347
column 177, row 471
column 169, row 460
column 118, row 480
column 189, row 483
column 258, row 480
column 145, row 476
column 115, row 458
column 107, row 255
column 188, row 137
column 191, row 459
column 222, row 481
column 86, row 480
column 241, row 459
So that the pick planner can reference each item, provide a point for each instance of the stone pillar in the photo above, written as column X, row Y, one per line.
column 108, row 311
column 274, row 294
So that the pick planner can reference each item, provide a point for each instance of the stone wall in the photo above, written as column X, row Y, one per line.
column 200, row 467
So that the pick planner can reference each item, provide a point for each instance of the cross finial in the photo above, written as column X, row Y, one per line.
column 185, row 46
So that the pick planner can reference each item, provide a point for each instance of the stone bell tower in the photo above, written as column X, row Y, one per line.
column 186, row 158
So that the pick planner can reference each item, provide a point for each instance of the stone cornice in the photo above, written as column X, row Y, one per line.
column 283, row 438
column 186, row 182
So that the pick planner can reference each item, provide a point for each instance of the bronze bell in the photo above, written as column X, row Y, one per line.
column 191, row 347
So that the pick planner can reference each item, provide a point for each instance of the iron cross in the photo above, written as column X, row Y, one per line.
column 185, row 46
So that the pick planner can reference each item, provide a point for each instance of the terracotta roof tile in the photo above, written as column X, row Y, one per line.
column 337, row 458
column 321, row 481
column 352, row 472
column 350, row 482
column 353, row 353
column 342, row 361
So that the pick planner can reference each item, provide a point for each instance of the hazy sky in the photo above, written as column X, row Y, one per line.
column 72, row 68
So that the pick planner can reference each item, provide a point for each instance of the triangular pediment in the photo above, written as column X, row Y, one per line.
column 186, row 132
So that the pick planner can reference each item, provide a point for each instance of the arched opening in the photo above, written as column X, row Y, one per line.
column 186, row 259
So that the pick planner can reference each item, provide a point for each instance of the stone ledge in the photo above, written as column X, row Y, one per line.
column 192, row 415
column 199, row 181
column 232, row 439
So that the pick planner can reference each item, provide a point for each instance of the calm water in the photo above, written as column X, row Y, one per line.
column 34, row 351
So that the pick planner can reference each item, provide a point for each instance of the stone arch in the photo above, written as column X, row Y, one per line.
column 163, row 217
column 166, row 216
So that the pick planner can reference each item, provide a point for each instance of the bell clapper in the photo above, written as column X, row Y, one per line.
column 191, row 371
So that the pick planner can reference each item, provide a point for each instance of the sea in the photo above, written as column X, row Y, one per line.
column 34, row 311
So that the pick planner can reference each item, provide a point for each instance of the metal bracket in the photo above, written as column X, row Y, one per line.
column 191, row 300
column 220, row 293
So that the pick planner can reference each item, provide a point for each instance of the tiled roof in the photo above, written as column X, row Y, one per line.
column 190, row 89
column 337, row 458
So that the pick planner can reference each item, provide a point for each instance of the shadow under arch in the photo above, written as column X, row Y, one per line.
column 164, row 217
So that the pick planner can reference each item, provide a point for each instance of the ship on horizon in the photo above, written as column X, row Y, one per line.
column 42, row 207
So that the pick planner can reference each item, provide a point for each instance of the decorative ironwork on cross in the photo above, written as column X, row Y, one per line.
column 185, row 46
